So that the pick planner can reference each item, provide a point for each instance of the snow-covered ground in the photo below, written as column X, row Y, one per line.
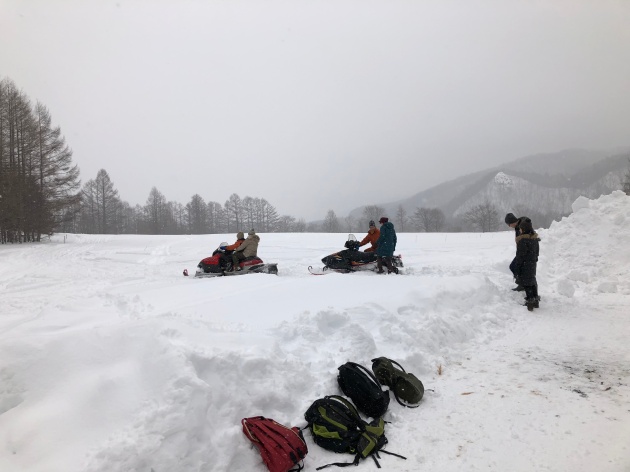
column 111, row 360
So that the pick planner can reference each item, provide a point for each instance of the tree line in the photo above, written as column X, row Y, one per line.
column 40, row 193
column 101, row 211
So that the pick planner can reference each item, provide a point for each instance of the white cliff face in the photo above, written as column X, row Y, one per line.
column 503, row 180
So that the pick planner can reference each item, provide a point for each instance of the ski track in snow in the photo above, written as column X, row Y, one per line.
column 225, row 349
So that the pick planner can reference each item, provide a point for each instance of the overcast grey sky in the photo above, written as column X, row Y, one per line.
column 318, row 105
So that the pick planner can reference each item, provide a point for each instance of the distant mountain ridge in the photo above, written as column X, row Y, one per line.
column 546, row 184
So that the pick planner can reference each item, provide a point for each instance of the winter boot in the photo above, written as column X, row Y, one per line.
column 518, row 288
column 379, row 265
column 390, row 266
column 531, row 303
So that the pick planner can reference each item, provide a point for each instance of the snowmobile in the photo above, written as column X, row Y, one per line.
column 351, row 260
column 220, row 264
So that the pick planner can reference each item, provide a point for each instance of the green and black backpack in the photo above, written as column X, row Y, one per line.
column 336, row 425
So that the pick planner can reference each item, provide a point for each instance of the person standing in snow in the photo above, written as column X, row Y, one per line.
column 526, row 260
column 514, row 222
column 248, row 248
column 371, row 237
column 385, row 246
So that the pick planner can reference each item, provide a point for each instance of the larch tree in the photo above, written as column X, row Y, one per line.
column 197, row 215
column 331, row 223
column 108, row 203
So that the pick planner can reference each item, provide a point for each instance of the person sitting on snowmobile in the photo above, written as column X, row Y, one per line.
column 224, row 258
column 371, row 237
column 248, row 248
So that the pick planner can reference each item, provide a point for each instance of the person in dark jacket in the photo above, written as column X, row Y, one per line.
column 525, row 262
column 385, row 246
column 514, row 222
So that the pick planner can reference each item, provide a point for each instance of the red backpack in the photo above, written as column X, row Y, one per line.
column 281, row 448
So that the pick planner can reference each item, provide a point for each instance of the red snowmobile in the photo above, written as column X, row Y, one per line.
column 220, row 263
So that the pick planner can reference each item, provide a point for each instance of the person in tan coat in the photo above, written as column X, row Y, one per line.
column 248, row 248
column 371, row 237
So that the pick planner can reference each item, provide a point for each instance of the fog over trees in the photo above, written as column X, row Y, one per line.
column 40, row 193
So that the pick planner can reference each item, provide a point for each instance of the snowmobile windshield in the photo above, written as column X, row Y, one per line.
column 352, row 237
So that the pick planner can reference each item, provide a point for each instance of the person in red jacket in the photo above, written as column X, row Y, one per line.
column 371, row 237
column 225, row 257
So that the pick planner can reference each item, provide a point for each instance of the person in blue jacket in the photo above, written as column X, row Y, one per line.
column 385, row 247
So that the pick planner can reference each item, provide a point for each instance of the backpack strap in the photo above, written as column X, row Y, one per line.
column 357, row 458
column 393, row 454
column 368, row 372
column 355, row 414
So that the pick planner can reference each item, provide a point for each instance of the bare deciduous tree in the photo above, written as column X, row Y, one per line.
column 373, row 212
column 483, row 217
column 107, row 201
column 197, row 215
column 401, row 218
column 430, row 220
column 38, row 182
column 626, row 180
column 331, row 223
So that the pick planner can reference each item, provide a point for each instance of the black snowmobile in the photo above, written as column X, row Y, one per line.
column 351, row 260
column 220, row 263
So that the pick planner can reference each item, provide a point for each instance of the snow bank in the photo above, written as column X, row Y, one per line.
column 587, row 252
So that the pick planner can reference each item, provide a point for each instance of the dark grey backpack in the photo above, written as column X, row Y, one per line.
column 364, row 389
column 407, row 388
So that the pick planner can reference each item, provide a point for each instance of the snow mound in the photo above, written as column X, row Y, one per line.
column 587, row 252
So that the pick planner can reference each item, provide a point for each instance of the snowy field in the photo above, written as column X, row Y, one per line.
column 111, row 360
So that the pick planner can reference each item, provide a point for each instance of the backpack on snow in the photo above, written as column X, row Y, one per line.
column 336, row 426
column 407, row 388
column 364, row 389
column 281, row 447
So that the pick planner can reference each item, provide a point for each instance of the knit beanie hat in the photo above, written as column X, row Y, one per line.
column 251, row 232
column 240, row 235
column 372, row 223
column 510, row 218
